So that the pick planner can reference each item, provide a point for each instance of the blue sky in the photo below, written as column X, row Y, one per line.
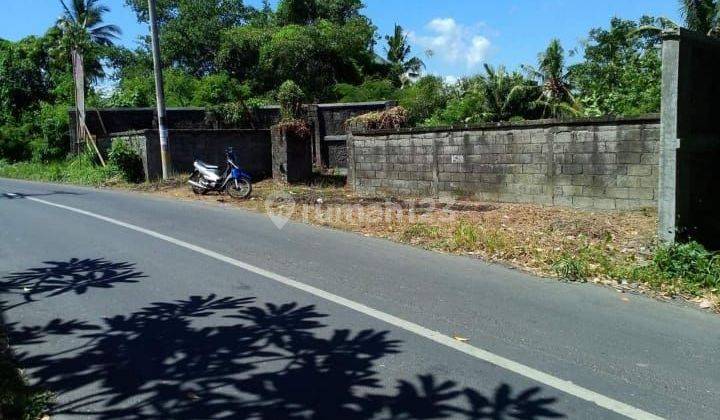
column 462, row 34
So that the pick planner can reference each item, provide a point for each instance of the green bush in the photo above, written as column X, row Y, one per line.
column 571, row 267
column 127, row 162
column 689, row 265
column 18, row 400
column 15, row 144
column 370, row 90
column 53, row 122
column 290, row 97
column 424, row 98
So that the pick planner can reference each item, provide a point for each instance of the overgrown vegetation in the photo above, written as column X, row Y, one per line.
column 82, row 169
column 687, row 268
column 126, row 161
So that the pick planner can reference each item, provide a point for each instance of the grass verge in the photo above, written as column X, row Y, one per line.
column 78, row 170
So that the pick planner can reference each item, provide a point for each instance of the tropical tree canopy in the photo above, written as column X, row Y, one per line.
column 555, row 98
column 404, row 67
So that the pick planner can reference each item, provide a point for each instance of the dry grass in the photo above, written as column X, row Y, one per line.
column 601, row 247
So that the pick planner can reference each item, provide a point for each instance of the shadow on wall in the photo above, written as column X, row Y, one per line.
column 264, row 361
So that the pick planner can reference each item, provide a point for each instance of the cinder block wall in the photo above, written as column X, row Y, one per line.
column 252, row 149
column 603, row 164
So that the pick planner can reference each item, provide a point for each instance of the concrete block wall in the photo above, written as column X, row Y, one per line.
column 252, row 149
column 602, row 164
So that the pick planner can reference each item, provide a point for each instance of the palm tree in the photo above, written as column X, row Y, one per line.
column 503, row 92
column 701, row 16
column 404, row 67
column 555, row 97
column 83, row 30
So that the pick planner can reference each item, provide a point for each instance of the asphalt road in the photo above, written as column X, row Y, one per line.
column 130, row 306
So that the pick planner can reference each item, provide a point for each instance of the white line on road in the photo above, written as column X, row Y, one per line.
column 518, row 368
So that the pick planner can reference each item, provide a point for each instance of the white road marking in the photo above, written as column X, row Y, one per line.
column 507, row 364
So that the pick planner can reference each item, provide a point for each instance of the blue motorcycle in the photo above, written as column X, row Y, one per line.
column 233, row 181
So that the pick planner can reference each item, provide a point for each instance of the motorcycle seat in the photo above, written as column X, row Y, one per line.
column 205, row 165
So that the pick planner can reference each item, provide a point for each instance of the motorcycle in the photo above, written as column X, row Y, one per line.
column 232, row 181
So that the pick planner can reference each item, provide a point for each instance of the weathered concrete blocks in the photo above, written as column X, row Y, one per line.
column 597, row 164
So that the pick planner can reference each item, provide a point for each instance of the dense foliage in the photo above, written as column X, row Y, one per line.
column 228, row 56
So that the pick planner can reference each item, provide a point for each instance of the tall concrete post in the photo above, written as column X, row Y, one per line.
column 669, row 141
column 160, row 93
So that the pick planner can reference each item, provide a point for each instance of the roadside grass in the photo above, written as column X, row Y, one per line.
column 78, row 170
column 18, row 400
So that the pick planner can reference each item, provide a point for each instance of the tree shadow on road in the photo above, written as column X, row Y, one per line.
column 210, row 357
column 74, row 276
column 16, row 196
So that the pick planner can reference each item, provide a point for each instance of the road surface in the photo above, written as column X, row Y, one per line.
column 131, row 306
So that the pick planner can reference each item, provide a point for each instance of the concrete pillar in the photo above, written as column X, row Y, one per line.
column 669, row 141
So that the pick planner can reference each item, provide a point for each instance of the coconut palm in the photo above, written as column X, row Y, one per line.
column 404, row 67
column 701, row 16
column 555, row 96
column 503, row 93
column 83, row 30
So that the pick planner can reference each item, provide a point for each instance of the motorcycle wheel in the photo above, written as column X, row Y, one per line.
column 197, row 190
column 239, row 188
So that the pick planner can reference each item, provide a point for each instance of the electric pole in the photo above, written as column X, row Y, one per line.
column 159, row 89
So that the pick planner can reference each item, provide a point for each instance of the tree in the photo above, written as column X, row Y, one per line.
column 555, row 96
column 83, row 31
column 239, row 53
column 424, row 98
column 621, row 71
column 191, row 30
column 702, row 16
column 307, row 12
column 24, row 84
column 317, row 56
column 506, row 94
column 404, row 68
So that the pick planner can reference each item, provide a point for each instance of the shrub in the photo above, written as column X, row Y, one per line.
column 424, row 98
column 231, row 114
column 370, row 90
column 571, row 267
column 53, row 121
column 18, row 400
column 15, row 142
column 688, row 267
column 127, row 161
column 290, row 97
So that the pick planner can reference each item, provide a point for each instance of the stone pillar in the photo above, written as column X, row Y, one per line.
column 291, row 156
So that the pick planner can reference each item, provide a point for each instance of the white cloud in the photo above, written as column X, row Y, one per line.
column 454, row 42
column 451, row 80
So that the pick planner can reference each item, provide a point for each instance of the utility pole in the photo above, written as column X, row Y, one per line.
column 159, row 89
